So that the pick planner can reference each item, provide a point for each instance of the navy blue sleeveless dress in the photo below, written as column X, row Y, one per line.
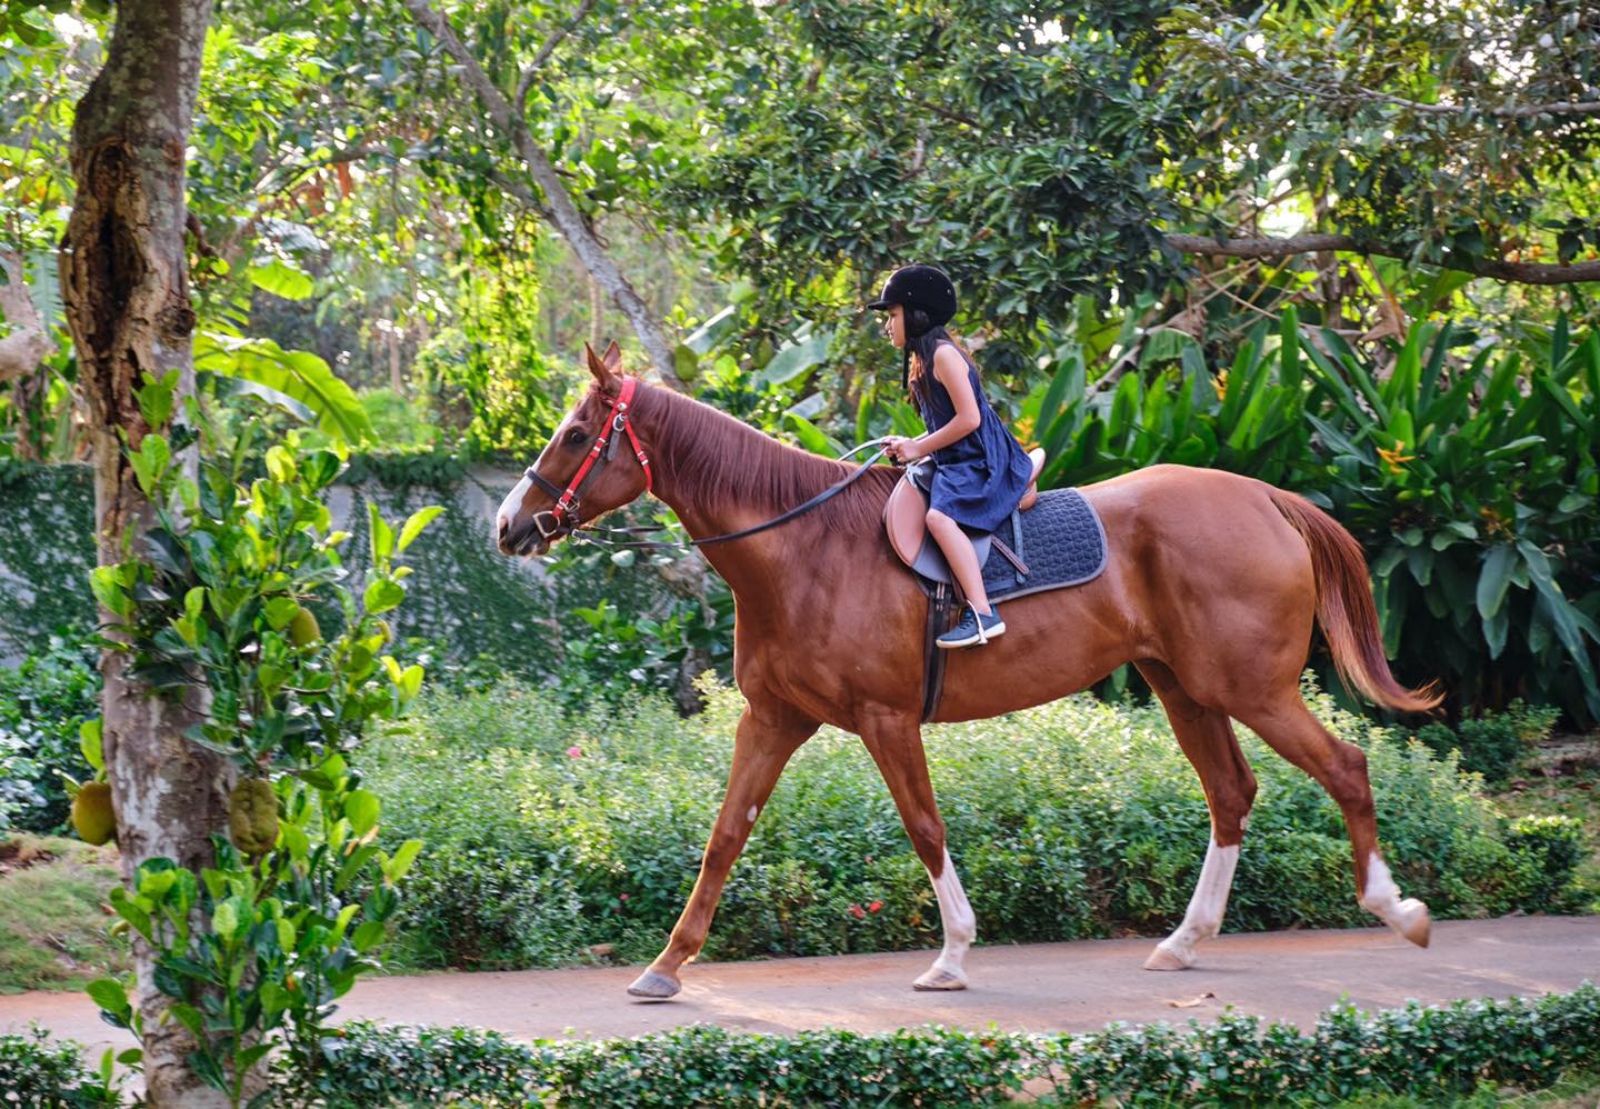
column 977, row 480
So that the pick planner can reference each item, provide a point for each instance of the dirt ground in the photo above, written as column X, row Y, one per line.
column 1045, row 987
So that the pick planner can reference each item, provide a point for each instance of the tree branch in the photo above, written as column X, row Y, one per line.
column 29, row 341
column 1332, row 92
column 1513, row 111
column 563, row 213
column 560, row 33
column 1522, row 273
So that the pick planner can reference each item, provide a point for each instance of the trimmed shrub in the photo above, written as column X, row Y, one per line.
column 550, row 835
column 1417, row 1051
column 38, row 1073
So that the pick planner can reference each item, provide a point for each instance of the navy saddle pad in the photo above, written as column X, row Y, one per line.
column 1060, row 540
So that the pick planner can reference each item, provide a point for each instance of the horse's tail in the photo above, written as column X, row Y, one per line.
column 1345, row 610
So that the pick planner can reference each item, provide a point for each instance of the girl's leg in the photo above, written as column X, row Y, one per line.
column 962, row 558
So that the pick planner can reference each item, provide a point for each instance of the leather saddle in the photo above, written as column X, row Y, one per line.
column 905, row 521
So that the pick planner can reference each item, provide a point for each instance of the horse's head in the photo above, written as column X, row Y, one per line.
column 584, row 471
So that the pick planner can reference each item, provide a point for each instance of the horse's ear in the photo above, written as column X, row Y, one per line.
column 605, row 369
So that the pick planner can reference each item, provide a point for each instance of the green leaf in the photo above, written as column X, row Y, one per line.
column 410, row 682
column 280, row 465
column 382, row 535
column 298, row 374
column 108, row 588
column 89, row 742
column 149, row 463
column 225, row 920
column 383, row 595
column 361, row 809
column 794, row 362
column 418, row 520
column 397, row 867
column 280, row 279
column 156, row 398
column 1495, row 579
column 368, row 935
column 109, row 994
column 811, row 437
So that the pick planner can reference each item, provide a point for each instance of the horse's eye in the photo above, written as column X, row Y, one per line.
column 577, row 437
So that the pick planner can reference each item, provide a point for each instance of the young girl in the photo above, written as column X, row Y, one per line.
column 980, row 470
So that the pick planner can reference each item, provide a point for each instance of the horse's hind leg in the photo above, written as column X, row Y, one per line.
column 895, row 743
column 1341, row 769
column 1206, row 736
column 761, row 750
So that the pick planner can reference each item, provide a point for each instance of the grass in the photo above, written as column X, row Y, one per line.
column 53, row 916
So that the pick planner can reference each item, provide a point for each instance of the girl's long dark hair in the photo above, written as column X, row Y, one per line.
column 922, row 340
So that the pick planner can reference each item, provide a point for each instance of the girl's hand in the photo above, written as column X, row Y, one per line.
column 902, row 449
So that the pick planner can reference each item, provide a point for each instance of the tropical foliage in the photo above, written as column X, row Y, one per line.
column 1467, row 469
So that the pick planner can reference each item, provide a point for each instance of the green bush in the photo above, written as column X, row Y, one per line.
column 1417, row 1051
column 1492, row 744
column 42, row 702
column 36, row 1073
column 552, row 833
column 1553, row 846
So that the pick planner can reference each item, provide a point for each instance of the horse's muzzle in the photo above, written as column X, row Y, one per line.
column 532, row 538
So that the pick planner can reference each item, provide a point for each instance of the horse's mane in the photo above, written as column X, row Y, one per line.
column 725, row 460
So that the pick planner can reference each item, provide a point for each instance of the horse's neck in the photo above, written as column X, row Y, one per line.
column 721, row 476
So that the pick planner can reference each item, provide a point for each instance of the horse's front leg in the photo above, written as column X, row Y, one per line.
column 762, row 746
column 895, row 743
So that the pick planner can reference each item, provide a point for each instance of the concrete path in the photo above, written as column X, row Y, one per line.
column 1043, row 987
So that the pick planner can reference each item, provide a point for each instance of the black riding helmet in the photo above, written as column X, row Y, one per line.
column 927, row 288
column 929, row 297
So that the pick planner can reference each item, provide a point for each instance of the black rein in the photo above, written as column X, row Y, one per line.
column 590, row 534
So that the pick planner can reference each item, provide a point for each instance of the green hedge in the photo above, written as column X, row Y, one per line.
column 1416, row 1051
column 549, row 834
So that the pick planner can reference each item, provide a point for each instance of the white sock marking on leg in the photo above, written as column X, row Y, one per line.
column 960, row 925
column 1382, row 897
column 1204, row 916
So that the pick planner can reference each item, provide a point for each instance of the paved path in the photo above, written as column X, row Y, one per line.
column 1041, row 987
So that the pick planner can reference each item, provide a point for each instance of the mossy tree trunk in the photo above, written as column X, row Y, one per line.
column 125, row 286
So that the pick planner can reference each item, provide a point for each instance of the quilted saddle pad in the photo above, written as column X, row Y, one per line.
column 1060, row 540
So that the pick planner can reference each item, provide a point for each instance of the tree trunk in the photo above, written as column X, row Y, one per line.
column 125, row 285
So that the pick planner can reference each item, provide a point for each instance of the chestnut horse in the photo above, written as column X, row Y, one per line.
column 1213, row 585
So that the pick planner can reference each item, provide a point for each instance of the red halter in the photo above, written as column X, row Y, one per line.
column 604, row 446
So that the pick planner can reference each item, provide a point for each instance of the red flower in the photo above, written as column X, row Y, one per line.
column 575, row 752
column 857, row 912
column 624, row 897
column 875, row 906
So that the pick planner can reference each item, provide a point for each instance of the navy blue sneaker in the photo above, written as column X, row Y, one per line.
column 973, row 629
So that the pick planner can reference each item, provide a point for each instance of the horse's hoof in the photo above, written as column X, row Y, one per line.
column 1164, row 958
column 1416, row 923
column 656, row 987
column 938, row 978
